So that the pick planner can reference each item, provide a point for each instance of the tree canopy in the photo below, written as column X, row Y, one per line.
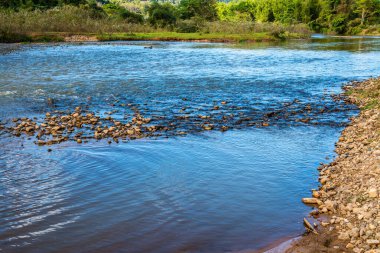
column 339, row 16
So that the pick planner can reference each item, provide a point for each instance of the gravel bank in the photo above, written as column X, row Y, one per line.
column 347, row 202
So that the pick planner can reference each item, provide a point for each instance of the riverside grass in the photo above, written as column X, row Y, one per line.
column 154, row 36
column 210, row 37
column 366, row 97
column 54, row 25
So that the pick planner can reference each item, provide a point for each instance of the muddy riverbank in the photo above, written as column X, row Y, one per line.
column 350, row 185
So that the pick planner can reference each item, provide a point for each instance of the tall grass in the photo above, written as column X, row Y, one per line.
column 28, row 25
column 66, row 19
column 252, row 27
column 371, row 30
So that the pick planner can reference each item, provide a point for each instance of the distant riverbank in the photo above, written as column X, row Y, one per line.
column 150, row 36
column 51, row 37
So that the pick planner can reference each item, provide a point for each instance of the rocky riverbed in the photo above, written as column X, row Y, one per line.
column 347, row 204
column 124, row 121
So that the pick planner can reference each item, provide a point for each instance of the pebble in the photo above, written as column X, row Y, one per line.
column 316, row 194
column 372, row 242
column 67, row 123
column 350, row 183
column 372, row 193
column 311, row 201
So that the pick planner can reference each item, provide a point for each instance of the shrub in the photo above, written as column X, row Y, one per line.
column 132, row 17
column 339, row 24
column 282, row 35
column 243, row 10
column 94, row 9
column 161, row 15
column 195, row 24
column 9, row 37
column 198, row 8
column 117, row 11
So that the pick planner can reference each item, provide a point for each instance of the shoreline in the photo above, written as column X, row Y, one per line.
column 56, row 37
column 348, row 196
column 46, row 37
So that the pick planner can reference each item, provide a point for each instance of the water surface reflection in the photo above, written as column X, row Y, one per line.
column 205, row 192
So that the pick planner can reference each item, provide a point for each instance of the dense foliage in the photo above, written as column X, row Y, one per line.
column 336, row 16
column 161, row 14
column 340, row 16
column 39, row 4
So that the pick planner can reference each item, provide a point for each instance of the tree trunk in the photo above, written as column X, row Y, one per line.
column 363, row 16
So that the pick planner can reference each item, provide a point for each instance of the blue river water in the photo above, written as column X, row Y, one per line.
column 207, row 191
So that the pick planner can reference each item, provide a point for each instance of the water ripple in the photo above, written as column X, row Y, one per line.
column 211, row 192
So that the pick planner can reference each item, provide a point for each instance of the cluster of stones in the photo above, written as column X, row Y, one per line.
column 80, row 127
column 350, row 185
column 59, row 126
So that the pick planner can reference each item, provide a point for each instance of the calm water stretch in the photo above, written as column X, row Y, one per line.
column 205, row 191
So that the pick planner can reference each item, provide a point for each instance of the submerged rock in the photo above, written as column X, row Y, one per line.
column 190, row 117
column 312, row 201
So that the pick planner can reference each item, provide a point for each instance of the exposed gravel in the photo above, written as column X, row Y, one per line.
column 350, row 185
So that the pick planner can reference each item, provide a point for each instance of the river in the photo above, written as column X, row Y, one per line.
column 206, row 191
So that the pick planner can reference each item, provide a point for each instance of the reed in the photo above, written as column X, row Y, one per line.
column 54, row 24
column 252, row 27
column 64, row 19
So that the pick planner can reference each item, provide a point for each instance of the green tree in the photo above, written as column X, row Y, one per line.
column 161, row 14
column 10, row 3
column 37, row 4
column 236, row 10
column 205, row 9
column 366, row 8
column 117, row 11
